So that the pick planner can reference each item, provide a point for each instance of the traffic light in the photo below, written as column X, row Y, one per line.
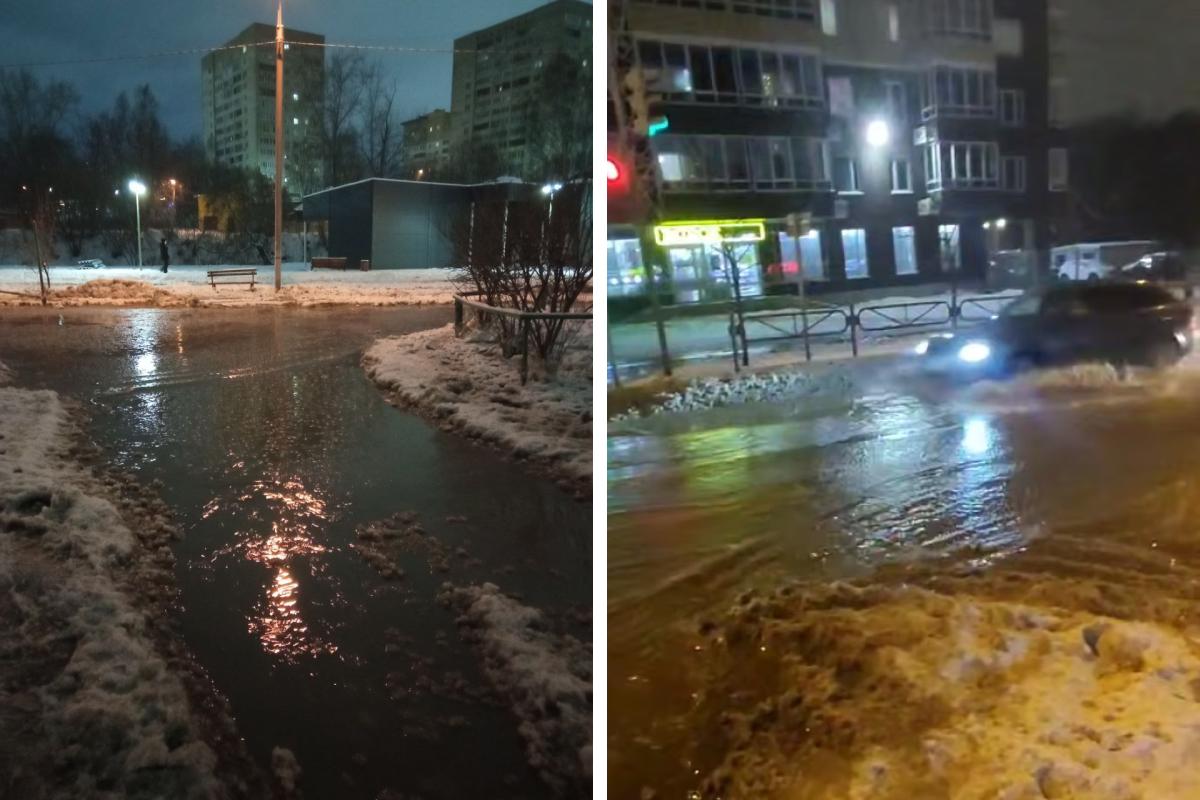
column 614, row 171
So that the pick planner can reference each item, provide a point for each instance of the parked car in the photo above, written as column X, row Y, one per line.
column 1122, row 323
column 1094, row 261
column 1009, row 269
column 1160, row 266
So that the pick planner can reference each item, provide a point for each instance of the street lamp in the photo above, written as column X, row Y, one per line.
column 138, row 189
column 549, row 189
column 878, row 133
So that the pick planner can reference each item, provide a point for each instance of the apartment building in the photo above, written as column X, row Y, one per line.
column 908, row 137
column 238, row 90
column 427, row 141
column 497, row 70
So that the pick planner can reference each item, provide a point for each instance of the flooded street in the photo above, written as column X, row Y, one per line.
column 739, row 668
column 271, row 447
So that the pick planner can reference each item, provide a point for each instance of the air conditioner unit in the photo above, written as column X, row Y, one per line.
column 841, row 209
column 920, row 135
column 925, row 207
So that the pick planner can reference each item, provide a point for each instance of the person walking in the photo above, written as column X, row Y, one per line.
column 166, row 254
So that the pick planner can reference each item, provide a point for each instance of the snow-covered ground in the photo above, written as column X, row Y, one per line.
column 1013, row 688
column 187, row 285
column 467, row 386
column 89, row 705
column 545, row 678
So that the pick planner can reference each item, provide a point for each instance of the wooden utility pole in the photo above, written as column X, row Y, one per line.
column 279, row 147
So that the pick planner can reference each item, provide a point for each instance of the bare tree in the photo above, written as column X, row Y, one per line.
column 35, row 156
column 381, row 134
column 559, row 122
column 340, row 107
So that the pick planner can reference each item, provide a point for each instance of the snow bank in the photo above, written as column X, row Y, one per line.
column 707, row 393
column 89, row 707
column 547, row 680
column 188, row 286
column 468, row 387
column 899, row 691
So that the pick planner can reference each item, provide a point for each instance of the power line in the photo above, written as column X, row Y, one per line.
column 206, row 50
column 135, row 57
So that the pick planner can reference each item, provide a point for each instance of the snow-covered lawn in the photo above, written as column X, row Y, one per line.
column 466, row 386
column 89, row 705
column 187, row 285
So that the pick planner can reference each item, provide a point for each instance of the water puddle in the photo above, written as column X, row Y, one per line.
column 272, row 448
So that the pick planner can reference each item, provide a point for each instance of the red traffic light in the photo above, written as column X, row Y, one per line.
column 613, row 170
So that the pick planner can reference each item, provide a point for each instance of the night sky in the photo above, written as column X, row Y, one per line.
column 55, row 30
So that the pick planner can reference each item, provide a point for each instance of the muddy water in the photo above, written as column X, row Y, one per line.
column 1080, row 473
column 272, row 446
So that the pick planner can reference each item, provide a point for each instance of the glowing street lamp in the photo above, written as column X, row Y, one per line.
column 137, row 188
column 878, row 133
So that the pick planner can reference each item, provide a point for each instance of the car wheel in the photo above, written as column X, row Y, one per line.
column 1164, row 354
column 1093, row 277
column 1019, row 363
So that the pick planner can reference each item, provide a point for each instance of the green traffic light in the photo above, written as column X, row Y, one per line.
column 658, row 126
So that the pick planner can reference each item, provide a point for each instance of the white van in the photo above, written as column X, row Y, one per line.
column 1096, row 260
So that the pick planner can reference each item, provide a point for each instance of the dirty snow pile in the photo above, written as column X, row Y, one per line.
column 546, row 679
column 467, row 386
column 889, row 692
column 188, row 286
column 88, row 708
column 773, row 387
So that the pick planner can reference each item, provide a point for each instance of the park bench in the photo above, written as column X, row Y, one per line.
column 232, row 276
column 328, row 263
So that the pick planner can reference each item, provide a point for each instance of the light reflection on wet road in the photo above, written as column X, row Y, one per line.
column 902, row 472
column 272, row 446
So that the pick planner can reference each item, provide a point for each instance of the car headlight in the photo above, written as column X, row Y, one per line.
column 922, row 347
column 974, row 352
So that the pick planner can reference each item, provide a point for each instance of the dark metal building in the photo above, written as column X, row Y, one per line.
column 400, row 224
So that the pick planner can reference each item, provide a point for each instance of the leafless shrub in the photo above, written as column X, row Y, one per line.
column 534, row 257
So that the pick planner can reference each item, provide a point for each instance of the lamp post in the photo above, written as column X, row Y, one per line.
column 138, row 189
column 279, row 47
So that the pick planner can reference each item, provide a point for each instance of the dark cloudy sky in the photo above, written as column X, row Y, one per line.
column 55, row 30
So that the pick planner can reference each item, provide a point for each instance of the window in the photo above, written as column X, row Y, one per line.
column 1009, row 37
column 897, row 100
column 854, row 250
column 845, row 174
column 1012, row 173
column 961, row 165
column 829, row 17
column 893, row 14
column 948, row 249
column 1058, row 169
column 903, row 244
column 741, row 163
column 1012, row 106
column 812, row 262
column 625, row 269
column 841, row 97
column 958, row 92
column 968, row 18
column 901, row 176
column 715, row 74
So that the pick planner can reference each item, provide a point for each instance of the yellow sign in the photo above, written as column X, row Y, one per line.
column 710, row 232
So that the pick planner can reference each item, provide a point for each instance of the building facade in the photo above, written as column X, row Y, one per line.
column 497, row 71
column 427, row 145
column 908, row 137
column 238, row 90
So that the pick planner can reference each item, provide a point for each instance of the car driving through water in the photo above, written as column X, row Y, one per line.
column 1132, row 323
